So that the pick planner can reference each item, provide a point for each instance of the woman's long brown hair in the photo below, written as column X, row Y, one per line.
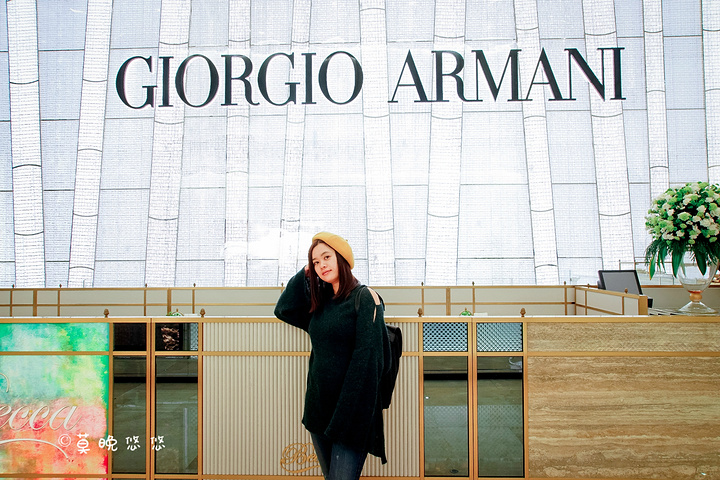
column 321, row 292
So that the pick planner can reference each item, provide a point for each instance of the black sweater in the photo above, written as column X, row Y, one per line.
column 342, row 399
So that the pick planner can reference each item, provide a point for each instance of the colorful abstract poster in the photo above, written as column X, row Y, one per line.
column 54, row 337
column 53, row 414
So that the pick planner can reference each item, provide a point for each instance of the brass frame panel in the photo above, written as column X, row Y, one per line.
column 151, row 355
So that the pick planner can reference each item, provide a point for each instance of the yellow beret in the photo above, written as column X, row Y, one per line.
column 339, row 244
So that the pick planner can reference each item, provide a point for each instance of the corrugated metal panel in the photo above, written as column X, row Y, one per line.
column 254, row 337
column 402, row 441
column 276, row 337
column 410, row 335
column 252, row 411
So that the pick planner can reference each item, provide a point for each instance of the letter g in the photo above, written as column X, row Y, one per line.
column 120, row 83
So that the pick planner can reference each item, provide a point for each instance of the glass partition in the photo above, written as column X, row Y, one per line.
column 500, row 416
column 445, row 387
column 129, row 414
column 130, row 337
column 176, row 419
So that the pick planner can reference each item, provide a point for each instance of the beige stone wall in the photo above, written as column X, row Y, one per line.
column 624, row 400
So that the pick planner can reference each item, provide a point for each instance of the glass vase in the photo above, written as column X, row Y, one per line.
column 695, row 282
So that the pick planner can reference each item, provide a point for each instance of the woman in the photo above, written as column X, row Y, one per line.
column 349, row 340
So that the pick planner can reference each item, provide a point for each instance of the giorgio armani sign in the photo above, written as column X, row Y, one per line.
column 449, row 66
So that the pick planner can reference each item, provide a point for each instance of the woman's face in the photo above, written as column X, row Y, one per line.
column 325, row 264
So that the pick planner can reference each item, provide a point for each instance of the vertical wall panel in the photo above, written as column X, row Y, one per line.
column 542, row 213
column 376, row 126
column 445, row 156
column 83, row 239
column 166, row 171
column 655, row 85
column 238, row 142
column 290, row 249
column 711, row 64
column 613, row 191
column 25, row 140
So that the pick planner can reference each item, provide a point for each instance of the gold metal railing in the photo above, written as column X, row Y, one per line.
column 260, row 301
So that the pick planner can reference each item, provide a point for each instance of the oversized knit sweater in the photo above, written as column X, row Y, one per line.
column 342, row 399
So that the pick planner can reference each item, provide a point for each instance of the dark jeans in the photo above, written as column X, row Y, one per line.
column 337, row 461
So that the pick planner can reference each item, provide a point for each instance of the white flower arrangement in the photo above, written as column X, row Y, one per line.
column 684, row 220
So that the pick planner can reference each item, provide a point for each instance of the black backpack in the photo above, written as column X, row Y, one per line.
column 387, row 382
column 392, row 365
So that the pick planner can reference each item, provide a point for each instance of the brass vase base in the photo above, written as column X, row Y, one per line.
column 696, row 307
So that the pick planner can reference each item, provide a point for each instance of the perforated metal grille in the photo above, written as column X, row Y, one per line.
column 499, row 337
column 445, row 337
